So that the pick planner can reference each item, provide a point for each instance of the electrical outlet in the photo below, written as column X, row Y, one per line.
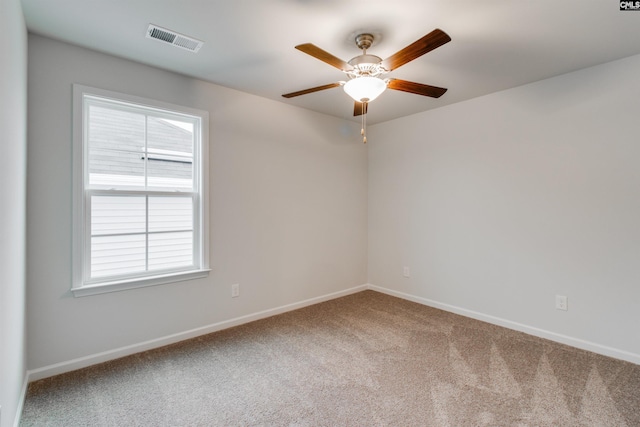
column 406, row 272
column 235, row 290
column 561, row 302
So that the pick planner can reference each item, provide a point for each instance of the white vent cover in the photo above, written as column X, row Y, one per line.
column 176, row 39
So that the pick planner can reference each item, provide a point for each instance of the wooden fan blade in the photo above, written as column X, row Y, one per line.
column 311, row 90
column 417, row 88
column 434, row 39
column 360, row 108
column 324, row 56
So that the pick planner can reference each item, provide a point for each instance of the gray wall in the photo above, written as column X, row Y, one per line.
column 500, row 203
column 13, row 154
column 288, row 192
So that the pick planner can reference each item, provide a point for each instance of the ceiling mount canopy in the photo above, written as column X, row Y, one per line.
column 364, row 41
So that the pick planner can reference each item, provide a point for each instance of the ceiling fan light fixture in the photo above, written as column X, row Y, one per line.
column 365, row 88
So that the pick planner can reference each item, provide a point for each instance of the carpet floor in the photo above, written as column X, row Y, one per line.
column 366, row 359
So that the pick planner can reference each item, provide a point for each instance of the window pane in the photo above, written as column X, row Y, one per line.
column 170, row 214
column 117, row 215
column 169, row 153
column 170, row 250
column 116, row 147
column 117, row 255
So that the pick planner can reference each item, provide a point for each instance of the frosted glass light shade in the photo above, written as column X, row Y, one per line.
column 365, row 89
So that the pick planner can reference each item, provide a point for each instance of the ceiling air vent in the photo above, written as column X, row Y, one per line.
column 176, row 39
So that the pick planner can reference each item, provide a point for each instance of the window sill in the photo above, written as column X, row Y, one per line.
column 124, row 285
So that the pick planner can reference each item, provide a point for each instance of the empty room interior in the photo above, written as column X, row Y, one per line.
column 464, row 249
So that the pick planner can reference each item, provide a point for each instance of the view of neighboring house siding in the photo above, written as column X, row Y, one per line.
column 117, row 148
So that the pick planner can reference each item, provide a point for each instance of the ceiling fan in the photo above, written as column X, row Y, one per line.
column 365, row 71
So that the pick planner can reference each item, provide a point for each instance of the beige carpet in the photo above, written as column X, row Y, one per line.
column 363, row 360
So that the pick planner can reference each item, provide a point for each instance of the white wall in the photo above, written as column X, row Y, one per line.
column 13, row 154
column 288, row 210
column 499, row 203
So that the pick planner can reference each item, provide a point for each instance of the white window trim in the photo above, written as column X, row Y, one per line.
column 79, row 207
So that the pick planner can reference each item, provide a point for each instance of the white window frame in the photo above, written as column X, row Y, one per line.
column 81, row 284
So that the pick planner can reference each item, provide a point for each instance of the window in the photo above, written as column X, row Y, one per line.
column 140, row 206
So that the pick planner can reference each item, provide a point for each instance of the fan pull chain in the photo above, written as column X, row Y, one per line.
column 364, row 122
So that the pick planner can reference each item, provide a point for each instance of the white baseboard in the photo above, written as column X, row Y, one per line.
column 21, row 399
column 552, row 336
column 83, row 362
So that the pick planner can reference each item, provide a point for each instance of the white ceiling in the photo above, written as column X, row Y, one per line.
column 249, row 44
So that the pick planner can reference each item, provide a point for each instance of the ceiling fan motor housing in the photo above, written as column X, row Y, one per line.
column 366, row 65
